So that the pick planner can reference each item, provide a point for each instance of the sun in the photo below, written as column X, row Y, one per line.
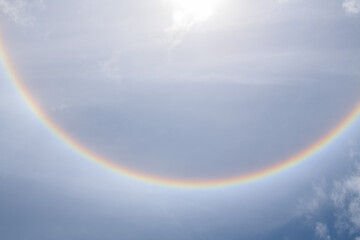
column 187, row 13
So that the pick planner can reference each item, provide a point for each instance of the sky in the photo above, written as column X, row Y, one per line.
column 129, row 119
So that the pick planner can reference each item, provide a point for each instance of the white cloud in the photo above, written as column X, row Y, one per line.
column 343, row 197
column 322, row 231
column 110, row 68
column 16, row 11
column 346, row 199
column 351, row 6
column 186, row 14
column 354, row 151
column 311, row 206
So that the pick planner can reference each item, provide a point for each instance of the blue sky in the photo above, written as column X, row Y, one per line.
column 187, row 89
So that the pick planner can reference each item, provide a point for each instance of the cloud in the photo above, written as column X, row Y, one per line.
column 16, row 11
column 110, row 68
column 322, row 231
column 336, row 206
column 354, row 152
column 186, row 14
column 311, row 206
column 346, row 199
column 351, row 6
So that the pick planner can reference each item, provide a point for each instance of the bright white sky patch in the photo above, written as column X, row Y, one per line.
column 186, row 13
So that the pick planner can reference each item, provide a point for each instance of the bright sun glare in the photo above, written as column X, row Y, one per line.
column 186, row 13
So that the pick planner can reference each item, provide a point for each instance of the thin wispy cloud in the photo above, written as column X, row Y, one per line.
column 322, row 231
column 342, row 198
column 186, row 14
column 351, row 6
column 16, row 11
column 110, row 68
column 346, row 198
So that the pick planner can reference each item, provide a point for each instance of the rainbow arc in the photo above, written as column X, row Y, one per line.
column 298, row 157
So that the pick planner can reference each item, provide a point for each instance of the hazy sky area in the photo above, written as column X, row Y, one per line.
column 180, row 89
